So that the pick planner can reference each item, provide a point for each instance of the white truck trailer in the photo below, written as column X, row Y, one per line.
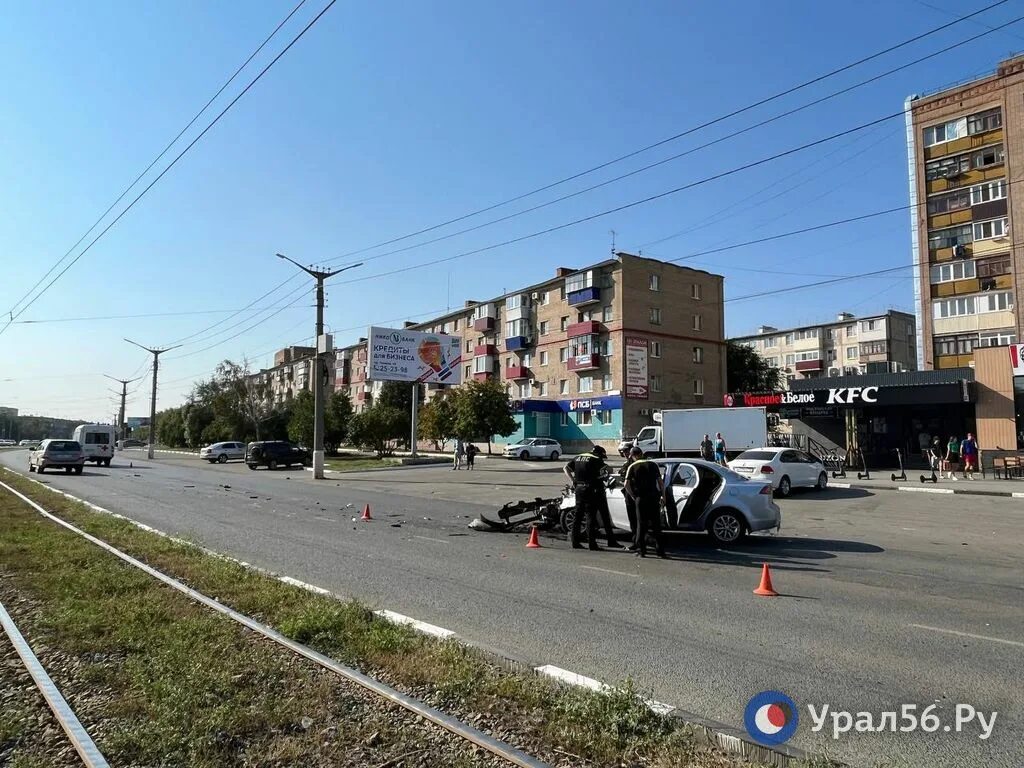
column 681, row 431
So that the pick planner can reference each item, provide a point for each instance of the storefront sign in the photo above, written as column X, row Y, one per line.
column 400, row 355
column 851, row 397
column 637, row 377
column 1017, row 359
column 533, row 405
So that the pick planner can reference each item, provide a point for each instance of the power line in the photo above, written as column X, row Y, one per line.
column 14, row 315
column 681, row 134
column 144, row 315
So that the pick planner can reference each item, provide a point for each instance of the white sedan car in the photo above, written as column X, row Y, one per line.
column 784, row 468
column 534, row 448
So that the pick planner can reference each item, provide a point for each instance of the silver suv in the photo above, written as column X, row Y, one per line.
column 57, row 454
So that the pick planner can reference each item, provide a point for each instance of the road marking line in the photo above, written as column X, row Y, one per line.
column 839, row 485
column 572, row 678
column 610, row 570
column 914, row 489
column 325, row 519
column 968, row 634
column 1017, row 495
column 420, row 626
column 427, row 538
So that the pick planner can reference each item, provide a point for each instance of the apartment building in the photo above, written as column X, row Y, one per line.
column 847, row 346
column 292, row 373
column 589, row 354
column 962, row 143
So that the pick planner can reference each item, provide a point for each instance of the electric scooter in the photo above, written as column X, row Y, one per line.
column 866, row 474
column 934, row 478
column 902, row 475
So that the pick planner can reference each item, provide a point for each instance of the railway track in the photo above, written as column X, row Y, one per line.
column 498, row 753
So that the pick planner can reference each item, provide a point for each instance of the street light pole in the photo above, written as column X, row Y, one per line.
column 319, row 374
column 124, row 395
column 152, row 403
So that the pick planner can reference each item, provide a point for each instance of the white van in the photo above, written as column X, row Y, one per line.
column 97, row 441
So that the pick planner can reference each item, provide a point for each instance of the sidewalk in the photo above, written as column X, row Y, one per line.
column 881, row 480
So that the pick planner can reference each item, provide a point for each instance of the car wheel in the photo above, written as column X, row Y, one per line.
column 785, row 486
column 222, row 459
column 252, row 467
column 822, row 482
column 78, row 470
column 727, row 527
column 565, row 519
column 554, row 455
column 524, row 455
column 107, row 462
column 31, row 468
column 39, row 469
column 67, row 470
column 272, row 464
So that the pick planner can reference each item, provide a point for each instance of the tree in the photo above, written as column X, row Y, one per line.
column 337, row 418
column 436, row 420
column 170, row 428
column 398, row 396
column 747, row 371
column 483, row 409
column 300, row 425
column 378, row 429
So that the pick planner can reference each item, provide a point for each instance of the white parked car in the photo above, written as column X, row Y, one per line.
column 784, row 468
column 221, row 453
column 534, row 448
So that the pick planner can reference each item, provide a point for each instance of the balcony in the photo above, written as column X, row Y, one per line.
column 803, row 366
column 517, row 372
column 483, row 375
column 584, row 296
column 584, row 362
column 485, row 350
column 515, row 343
column 585, row 328
column 484, row 324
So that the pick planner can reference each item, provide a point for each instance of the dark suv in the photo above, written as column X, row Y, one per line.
column 275, row 453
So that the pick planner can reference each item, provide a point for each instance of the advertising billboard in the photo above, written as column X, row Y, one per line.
column 637, row 382
column 401, row 355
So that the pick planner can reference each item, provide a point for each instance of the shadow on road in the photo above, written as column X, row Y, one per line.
column 832, row 493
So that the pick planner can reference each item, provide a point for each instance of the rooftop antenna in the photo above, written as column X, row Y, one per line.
column 612, row 233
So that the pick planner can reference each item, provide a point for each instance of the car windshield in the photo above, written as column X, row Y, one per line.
column 63, row 445
column 758, row 455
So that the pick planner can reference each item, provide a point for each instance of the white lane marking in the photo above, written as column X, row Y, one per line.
column 968, row 634
column 1017, row 495
column 914, row 489
column 572, row 678
column 839, row 485
column 325, row 519
column 427, row 538
column 610, row 570
column 419, row 626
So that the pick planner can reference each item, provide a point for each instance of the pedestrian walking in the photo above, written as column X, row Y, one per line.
column 459, row 455
column 645, row 485
column 952, row 457
column 719, row 449
column 970, row 453
column 707, row 449
column 586, row 472
column 924, row 441
column 471, row 452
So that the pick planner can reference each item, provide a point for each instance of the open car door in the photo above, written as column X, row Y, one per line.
column 678, row 490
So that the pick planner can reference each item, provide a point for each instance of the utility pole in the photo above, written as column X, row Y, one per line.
column 124, row 395
column 152, row 404
column 319, row 374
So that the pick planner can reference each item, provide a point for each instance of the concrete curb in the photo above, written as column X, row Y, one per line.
column 730, row 739
column 931, row 489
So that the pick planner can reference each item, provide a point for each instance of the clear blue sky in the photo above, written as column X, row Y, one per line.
column 388, row 117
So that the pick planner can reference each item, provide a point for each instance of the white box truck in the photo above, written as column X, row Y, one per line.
column 681, row 431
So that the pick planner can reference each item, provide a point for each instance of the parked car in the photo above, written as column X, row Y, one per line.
column 97, row 441
column 699, row 496
column 7, row 442
column 275, row 453
column 131, row 443
column 534, row 448
column 784, row 468
column 221, row 453
column 57, row 454
column 26, row 442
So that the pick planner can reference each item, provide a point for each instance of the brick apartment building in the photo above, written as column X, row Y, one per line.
column 562, row 346
column 292, row 373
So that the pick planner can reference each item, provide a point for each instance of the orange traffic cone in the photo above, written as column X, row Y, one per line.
column 533, row 543
column 366, row 514
column 765, row 588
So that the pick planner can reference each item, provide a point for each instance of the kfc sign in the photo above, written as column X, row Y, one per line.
column 851, row 395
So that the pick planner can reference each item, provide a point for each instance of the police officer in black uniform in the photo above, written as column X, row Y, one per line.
column 631, row 455
column 644, row 483
column 587, row 472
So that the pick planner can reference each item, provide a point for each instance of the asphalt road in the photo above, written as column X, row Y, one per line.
column 888, row 598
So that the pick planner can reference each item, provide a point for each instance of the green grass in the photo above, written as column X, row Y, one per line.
column 345, row 462
column 196, row 707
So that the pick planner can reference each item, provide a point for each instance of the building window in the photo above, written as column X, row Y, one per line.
column 508, row 362
column 994, row 302
column 954, row 270
column 654, row 283
column 804, row 356
column 606, row 314
column 771, row 341
column 584, row 345
column 456, row 323
column 789, row 339
column 938, row 134
column 561, row 293
column 543, row 389
column 584, row 418
column 606, row 382
column 998, row 265
column 563, row 387
column 481, row 365
column 852, row 353
column 655, row 316
column 698, row 322
column 656, row 383
column 696, row 292
column 998, row 338
column 544, row 357
column 469, row 371
column 988, row 120
column 698, row 387
column 830, row 355
column 563, row 354
column 579, row 281
column 604, row 417
column 543, row 327
column 986, row 230
column 655, row 349
column 563, row 419
column 868, row 325
column 950, row 236
column 525, row 390
column 874, row 348
column 607, row 348
column 527, row 360
column 992, row 190
column 989, row 156
column 586, row 384
column 565, row 322
column 698, row 355
column 851, row 330
column 545, row 298
column 956, row 200
column 953, row 308
column 947, row 167
column 790, row 360
column 955, row 345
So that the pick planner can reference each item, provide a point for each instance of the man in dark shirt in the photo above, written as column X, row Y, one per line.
column 587, row 472
column 644, row 483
